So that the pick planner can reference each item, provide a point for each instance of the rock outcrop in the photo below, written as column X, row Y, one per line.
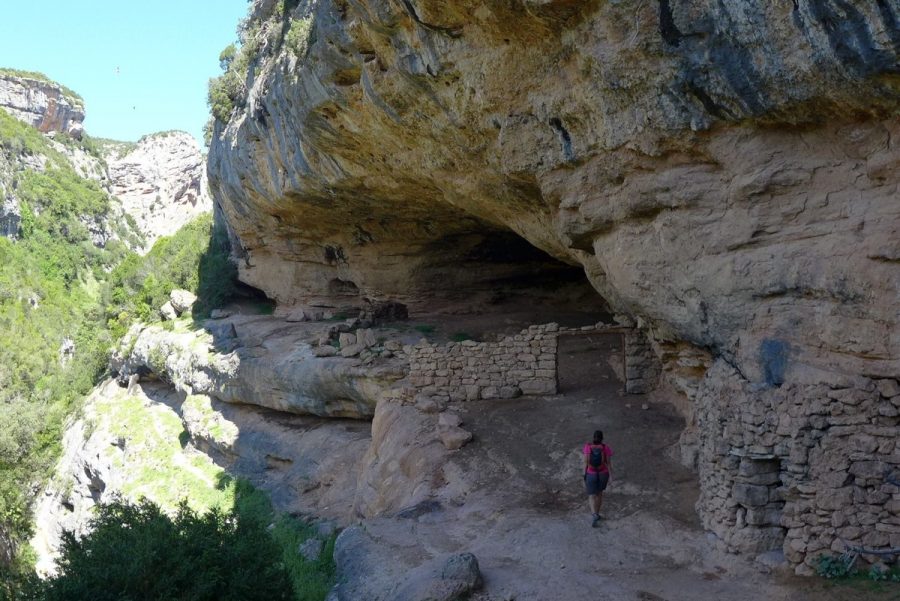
column 725, row 173
column 42, row 103
column 161, row 182
column 259, row 362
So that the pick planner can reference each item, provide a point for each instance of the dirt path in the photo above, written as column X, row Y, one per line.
column 524, row 513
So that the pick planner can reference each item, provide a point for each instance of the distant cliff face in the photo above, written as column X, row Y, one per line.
column 45, row 105
column 161, row 182
column 725, row 172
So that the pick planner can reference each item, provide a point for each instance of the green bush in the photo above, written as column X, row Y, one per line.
column 836, row 566
column 51, row 283
column 298, row 36
column 137, row 552
column 195, row 258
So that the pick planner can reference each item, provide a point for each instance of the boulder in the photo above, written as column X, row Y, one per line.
column 454, row 437
column 297, row 315
column 372, row 571
column 167, row 311
column 219, row 314
column 325, row 350
column 182, row 300
column 366, row 337
column 449, row 420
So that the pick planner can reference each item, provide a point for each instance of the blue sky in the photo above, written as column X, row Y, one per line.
column 141, row 67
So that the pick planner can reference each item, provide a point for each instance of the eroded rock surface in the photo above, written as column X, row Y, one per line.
column 161, row 182
column 45, row 105
column 259, row 361
column 726, row 173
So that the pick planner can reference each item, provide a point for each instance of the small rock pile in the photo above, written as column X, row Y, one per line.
column 179, row 302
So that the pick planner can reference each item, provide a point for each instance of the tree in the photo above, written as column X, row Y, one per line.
column 137, row 552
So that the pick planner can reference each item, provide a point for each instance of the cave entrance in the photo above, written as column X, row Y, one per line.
column 485, row 285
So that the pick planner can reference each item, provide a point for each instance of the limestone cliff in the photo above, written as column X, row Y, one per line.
column 726, row 173
column 161, row 182
column 44, row 104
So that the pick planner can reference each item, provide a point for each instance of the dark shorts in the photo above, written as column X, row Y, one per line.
column 596, row 483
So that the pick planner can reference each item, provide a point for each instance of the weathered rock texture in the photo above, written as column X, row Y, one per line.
column 44, row 104
column 161, row 183
column 726, row 173
column 258, row 362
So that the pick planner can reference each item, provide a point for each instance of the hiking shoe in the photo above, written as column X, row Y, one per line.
column 596, row 521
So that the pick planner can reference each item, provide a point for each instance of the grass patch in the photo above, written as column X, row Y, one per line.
column 461, row 336
column 842, row 567
column 424, row 328
column 263, row 306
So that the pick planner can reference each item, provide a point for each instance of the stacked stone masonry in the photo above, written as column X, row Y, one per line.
column 812, row 470
column 526, row 363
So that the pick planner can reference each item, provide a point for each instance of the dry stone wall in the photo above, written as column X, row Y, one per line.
column 526, row 363
column 470, row 370
column 808, row 469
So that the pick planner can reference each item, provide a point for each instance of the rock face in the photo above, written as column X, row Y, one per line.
column 726, row 173
column 257, row 362
column 46, row 105
column 161, row 183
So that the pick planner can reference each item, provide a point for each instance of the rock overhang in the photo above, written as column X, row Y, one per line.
column 724, row 173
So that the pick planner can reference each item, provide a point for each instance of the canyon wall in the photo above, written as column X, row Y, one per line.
column 44, row 104
column 724, row 173
column 161, row 182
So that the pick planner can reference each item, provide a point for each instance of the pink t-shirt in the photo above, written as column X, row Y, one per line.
column 606, row 451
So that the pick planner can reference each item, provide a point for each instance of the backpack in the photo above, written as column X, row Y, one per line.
column 597, row 458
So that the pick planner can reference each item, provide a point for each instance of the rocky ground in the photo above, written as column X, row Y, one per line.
column 514, row 500
column 512, row 497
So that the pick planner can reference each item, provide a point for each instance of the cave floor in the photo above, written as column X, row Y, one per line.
column 524, row 515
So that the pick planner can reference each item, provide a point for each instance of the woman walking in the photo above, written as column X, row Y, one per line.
column 597, row 466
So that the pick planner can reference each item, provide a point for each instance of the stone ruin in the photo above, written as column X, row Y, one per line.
column 525, row 363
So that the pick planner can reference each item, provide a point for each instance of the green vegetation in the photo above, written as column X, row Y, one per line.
column 298, row 35
column 60, row 289
column 279, row 30
column 18, row 139
column 139, row 551
column 51, row 285
column 194, row 258
column 424, row 328
column 117, row 148
column 843, row 568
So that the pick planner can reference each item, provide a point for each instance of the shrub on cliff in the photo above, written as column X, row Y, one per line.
column 137, row 552
column 195, row 258
column 53, row 341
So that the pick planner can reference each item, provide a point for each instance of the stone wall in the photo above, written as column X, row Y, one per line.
column 642, row 366
column 806, row 469
column 526, row 363
column 470, row 370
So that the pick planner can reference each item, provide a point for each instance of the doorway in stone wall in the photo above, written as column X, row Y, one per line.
column 642, row 429
column 591, row 363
